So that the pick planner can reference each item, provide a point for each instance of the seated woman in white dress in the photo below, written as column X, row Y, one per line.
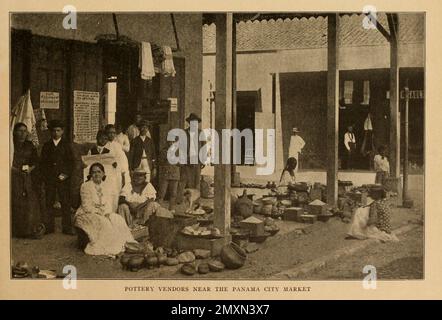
column 137, row 199
column 288, row 174
column 106, row 230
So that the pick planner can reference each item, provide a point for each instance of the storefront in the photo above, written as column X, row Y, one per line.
column 74, row 67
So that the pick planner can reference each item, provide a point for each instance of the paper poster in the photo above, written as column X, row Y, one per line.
column 86, row 115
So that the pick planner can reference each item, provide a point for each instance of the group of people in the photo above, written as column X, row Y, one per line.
column 112, row 199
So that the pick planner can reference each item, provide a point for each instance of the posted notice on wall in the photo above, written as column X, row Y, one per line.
column 86, row 115
column 49, row 100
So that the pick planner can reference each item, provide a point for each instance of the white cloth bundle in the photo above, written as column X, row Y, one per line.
column 167, row 64
column 145, row 61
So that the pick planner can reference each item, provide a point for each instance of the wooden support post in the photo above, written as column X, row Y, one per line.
column 332, row 108
column 406, row 201
column 223, row 117
column 234, row 113
column 394, row 99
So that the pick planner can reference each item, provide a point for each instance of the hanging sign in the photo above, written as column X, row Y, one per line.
column 173, row 104
column 413, row 94
column 49, row 100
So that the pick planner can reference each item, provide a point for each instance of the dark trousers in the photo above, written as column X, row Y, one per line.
column 63, row 190
column 172, row 187
column 190, row 177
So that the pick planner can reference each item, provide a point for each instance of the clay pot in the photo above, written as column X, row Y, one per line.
column 161, row 259
column 269, row 200
column 257, row 207
column 215, row 266
column 203, row 268
column 152, row 261
column 124, row 260
column 172, row 262
column 133, row 247
column 267, row 209
column 244, row 205
column 188, row 269
column 233, row 256
column 286, row 203
column 186, row 257
column 135, row 262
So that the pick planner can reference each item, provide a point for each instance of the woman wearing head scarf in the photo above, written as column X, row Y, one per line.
column 24, row 189
column 106, row 230
column 372, row 221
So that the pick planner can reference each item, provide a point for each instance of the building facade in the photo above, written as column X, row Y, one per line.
column 282, row 81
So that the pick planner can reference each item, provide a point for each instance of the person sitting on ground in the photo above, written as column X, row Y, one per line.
column 381, row 166
column 137, row 200
column 372, row 221
column 288, row 174
column 107, row 231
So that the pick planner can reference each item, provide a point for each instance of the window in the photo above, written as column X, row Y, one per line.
column 366, row 93
column 348, row 92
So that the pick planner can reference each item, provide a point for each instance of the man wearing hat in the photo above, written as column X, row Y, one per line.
column 142, row 151
column 56, row 165
column 296, row 146
column 190, row 173
column 137, row 199
column 350, row 146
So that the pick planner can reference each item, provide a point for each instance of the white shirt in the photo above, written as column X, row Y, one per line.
column 100, row 149
column 144, row 152
column 148, row 192
column 123, row 140
column 56, row 142
column 349, row 137
column 119, row 155
column 381, row 165
column 296, row 145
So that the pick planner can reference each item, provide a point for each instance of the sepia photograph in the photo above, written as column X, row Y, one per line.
column 284, row 146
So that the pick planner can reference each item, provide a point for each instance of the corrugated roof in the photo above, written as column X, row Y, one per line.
column 209, row 18
column 312, row 33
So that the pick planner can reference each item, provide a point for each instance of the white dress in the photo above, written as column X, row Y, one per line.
column 360, row 229
column 107, row 231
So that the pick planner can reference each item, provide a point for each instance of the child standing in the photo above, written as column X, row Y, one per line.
column 381, row 166
column 169, row 176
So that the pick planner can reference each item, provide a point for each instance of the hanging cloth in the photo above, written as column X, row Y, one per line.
column 167, row 65
column 367, row 123
column 145, row 61
column 368, row 147
column 24, row 112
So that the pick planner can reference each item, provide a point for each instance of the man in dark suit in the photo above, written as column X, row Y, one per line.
column 56, row 167
column 142, row 152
